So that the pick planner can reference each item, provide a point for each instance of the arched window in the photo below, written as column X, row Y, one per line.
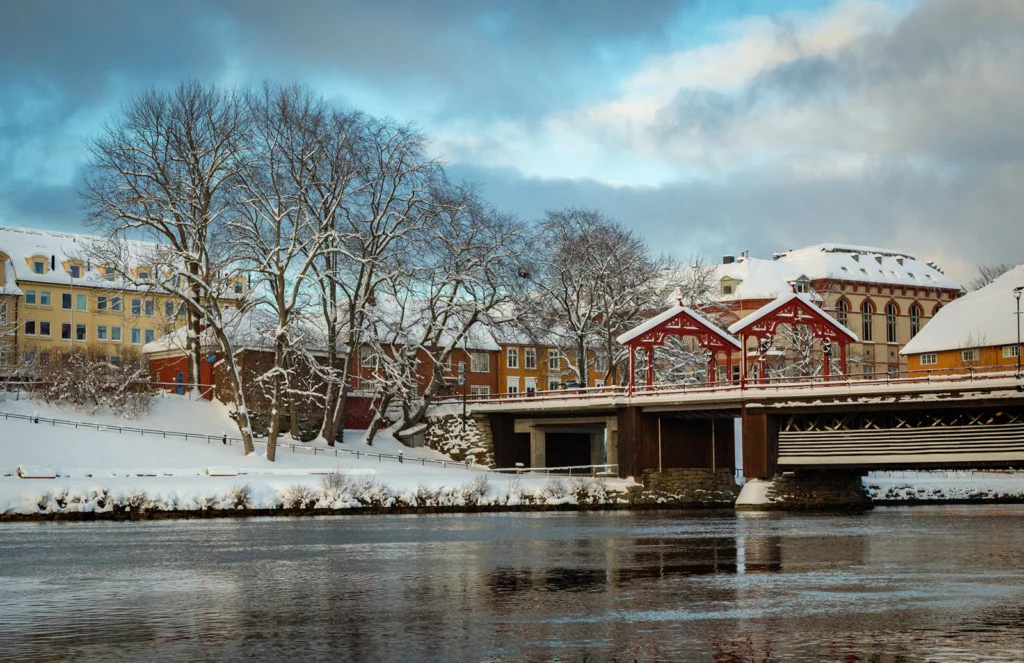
column 866, row 311
column 936, row 309
column 842, row 312
column 915, row 320
column 890, row 323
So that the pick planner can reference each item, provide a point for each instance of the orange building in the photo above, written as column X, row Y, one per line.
column 976, row 332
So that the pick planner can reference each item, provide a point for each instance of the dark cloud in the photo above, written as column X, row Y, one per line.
column 903, row 207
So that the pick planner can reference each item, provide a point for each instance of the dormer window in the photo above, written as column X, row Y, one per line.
column 108, row 273
column 39, row 266
column 76, row 271
column 143, row 274
column 726, row 289
column 238, row 287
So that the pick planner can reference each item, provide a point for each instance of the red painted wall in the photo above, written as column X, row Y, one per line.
column 166, row 371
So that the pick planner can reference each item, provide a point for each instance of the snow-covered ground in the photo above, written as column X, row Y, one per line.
column 971, row 485
column 104, row 470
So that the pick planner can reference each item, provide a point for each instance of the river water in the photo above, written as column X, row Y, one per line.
column 895, row 584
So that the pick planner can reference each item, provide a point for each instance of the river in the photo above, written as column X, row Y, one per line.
column 894, row 584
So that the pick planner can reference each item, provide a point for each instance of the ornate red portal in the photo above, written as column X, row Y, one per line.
column 793, row 309
column 678, row 321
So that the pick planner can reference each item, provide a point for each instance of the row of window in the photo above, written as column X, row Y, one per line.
column 30, row 358
column 42, row 328
column 554, row 359
column 867, row 311
column 103, row 303
column 970, row 354
column 530, row 385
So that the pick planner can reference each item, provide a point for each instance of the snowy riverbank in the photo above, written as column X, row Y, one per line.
column 86, row 472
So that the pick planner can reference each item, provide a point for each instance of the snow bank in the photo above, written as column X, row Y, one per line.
column 945, row 486
column 104, row 471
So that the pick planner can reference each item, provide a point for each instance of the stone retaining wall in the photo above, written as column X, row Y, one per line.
column 818, row 490
column 444, row 433
column 687, row 487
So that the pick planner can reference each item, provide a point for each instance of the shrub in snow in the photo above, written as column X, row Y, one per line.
column 85, row 378
column 299, row 496
column 371, row 493
column 136, row 500
column 240, row 496
column 43, row 502
column 590, row 492
column 555, row 488
column 423, row 496
column 334, row 485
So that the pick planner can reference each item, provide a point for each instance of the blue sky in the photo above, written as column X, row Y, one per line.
column 707, row 126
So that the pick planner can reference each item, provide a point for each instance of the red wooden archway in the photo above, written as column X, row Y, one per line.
column 793, row 309
column 677, row 321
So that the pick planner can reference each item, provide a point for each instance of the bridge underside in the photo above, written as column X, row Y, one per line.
column 823, row 436
column 961, row 437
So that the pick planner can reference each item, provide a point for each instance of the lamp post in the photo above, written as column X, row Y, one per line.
column 1016, row 295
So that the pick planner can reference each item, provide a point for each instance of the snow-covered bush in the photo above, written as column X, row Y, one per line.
column 240, row 496
column 590, row 492
column 86, row 378
column 299, row 496
column 556, row 488
column 334, row 485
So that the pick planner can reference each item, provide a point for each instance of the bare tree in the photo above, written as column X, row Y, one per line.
column 161, row 170
column 273, row 235
column 987, row 274
column 593, row 279
column 375, row 195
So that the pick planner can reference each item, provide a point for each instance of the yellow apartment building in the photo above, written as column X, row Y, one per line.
column 54, row 299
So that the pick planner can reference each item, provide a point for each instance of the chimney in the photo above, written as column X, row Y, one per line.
column 900, row 261
column 776, row 256
column 728, row 259
column 855, row 256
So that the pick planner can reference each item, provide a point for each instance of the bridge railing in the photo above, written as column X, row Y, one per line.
column 769, row 383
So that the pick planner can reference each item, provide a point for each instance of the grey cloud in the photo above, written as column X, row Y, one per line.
column 952, row 219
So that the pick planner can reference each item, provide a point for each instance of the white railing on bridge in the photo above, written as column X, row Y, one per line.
column 887, row 378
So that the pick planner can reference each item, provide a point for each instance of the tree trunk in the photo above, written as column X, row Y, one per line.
column 242, row 410
column 378, row 419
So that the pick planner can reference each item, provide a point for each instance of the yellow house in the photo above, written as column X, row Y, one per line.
column 976, row 332
column 54, row 298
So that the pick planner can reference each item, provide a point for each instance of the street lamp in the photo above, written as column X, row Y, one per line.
column 1016, row 295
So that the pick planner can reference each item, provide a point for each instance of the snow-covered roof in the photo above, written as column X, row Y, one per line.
column 765, row 279
column 406, row 322
column 983, row 318
column 10, row 284
column 21, row 244
column 781, row 301
column 670, row 313
column 252, row 329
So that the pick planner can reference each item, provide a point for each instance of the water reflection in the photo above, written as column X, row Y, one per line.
column 892, row 585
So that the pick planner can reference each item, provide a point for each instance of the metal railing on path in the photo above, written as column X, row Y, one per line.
column 335, row 451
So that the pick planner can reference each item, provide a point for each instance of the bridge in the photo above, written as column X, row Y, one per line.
column 968, row 418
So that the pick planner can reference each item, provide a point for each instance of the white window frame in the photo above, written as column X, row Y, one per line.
column 39, row 329
column 45, row 294
column 970, row 354
column 553, row 383
column 367, row 359
column 84, row 328
column 479, row 362
column 512, row 357
column 81, row 303
column 1011, row 351
column 30, row 294
column 38, row 266
column 929, row 359
column 101, row 302
column 149, row 335
column 115, row 331
column 479, row 389
column 136, row 307
column 35, row 325
column 136, row 334
column 530, row 385
column 598, row 383
column 512, row 385
column 101, row 332
column 554, row 359
column 530, row 358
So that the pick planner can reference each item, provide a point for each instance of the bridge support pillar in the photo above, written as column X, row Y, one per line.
column 760, row 444
column 538, row 447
